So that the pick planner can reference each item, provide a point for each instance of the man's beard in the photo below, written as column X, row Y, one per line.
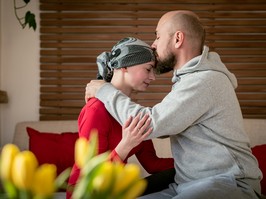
column 166, row 65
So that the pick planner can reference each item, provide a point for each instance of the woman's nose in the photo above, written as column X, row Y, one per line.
column 152, row 75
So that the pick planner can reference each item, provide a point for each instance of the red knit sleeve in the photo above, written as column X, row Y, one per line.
column 150, row 161
column 114, row 157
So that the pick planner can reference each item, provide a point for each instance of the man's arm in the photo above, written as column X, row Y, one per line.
column 98, row 88
column 184, row 106
column 118, row 104
column 121, row 107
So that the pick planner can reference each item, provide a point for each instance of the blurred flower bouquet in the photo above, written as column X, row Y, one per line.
column 23, row 178
column 101, row 178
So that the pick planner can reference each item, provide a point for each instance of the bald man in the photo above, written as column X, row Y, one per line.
column 201, row 115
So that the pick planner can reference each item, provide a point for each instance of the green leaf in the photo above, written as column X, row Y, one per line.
column 10, row 189
column 61, row 180
column 30, row 20
column 24, row 194
column 83, row 188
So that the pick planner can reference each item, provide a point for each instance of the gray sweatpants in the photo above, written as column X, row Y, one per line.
column 216, row 187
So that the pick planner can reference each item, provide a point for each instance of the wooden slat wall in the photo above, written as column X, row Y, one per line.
column 73, row 33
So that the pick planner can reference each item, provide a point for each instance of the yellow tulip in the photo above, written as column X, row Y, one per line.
column 136, row 189
column 43, row 183
column 94, row 142
column 23, row 169
column 104, row 177
column 86, row 149
column 118, row 167
column 81, row 149
column 8, row 154
column 126, row 177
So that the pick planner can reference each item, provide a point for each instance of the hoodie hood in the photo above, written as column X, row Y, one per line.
column 206, row 61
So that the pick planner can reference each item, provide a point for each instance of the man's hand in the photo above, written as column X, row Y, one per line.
column 92, row 88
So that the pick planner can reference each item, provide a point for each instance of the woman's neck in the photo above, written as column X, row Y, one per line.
column 119, row 84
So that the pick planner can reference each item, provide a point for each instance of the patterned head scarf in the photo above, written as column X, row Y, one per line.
column 127, row 52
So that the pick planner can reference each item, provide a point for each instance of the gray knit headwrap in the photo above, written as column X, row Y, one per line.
column 127, row 52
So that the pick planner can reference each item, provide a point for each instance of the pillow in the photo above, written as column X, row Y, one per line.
column 53, row 148
column 259, row 152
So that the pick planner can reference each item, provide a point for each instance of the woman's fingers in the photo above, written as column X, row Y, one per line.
column 143, row 121
column 128, row 122
column 143, row 126
column 134, row 121
column 139, row 126
column 146, row 133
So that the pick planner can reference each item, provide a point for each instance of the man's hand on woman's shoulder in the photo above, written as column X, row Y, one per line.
column 92, row 87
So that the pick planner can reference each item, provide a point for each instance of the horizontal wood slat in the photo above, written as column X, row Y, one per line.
column 153, row 1
column 233, row 6
column 74, row 33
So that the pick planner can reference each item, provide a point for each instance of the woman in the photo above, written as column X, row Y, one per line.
column 129, row 67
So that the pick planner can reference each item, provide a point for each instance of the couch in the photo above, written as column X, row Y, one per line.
column 40, row 131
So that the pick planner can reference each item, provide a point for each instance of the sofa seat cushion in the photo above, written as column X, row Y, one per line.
column 53, row 148
column 260, row 153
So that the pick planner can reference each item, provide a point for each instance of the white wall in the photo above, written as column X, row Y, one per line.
column 19, row 69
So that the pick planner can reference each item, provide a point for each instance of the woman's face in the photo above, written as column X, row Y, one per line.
column 139, row 77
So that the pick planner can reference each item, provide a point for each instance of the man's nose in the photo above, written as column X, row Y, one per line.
column 153, row 45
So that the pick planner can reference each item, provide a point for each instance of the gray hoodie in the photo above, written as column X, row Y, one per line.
column 203, row 118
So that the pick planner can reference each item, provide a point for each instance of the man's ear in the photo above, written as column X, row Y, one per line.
column 179, row 38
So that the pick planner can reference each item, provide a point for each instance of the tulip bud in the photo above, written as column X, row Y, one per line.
column 23, row 169
column 8, row 154
column 43, row 182
column 104, row 177
column 118, row 167
column 81, row 149
column 86, row 149
column 126, row 177
column 136, row 189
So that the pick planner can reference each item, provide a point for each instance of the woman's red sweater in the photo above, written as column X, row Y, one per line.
column 94, row 116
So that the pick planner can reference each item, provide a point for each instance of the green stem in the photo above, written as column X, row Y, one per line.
column 24, row 194
column 16, row 14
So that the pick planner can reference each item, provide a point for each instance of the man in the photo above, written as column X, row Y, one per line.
column 201, row 115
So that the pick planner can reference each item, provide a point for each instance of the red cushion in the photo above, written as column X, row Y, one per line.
column 53, row 148
column 260, row 153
